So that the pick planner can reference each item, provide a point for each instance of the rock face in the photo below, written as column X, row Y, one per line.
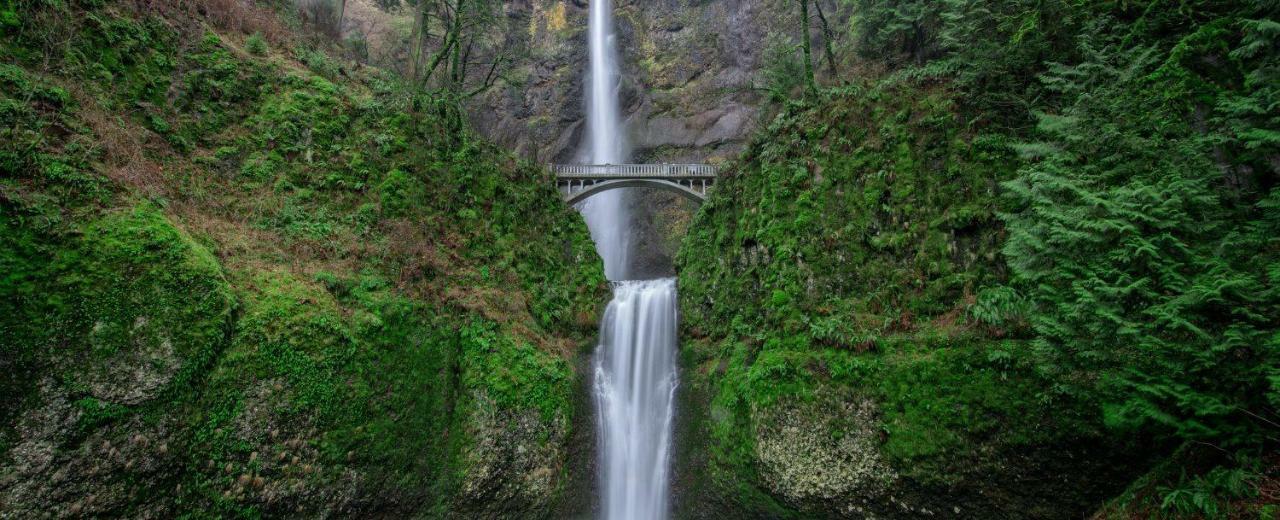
column 688, row 73
column 129, row 335
column 822, row 454
column 824, row 292
column 513, row 463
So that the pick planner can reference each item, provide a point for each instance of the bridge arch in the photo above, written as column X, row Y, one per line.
column 603, row 186
column 578, row 182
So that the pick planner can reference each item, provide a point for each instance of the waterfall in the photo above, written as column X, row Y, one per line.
column 635, row 366
column 605, row 213
column 635, row 382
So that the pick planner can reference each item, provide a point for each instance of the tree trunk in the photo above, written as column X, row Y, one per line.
column 456, row 35
column 444, row 56
column 826, row 39
column 808, row 52
column 342, row 13
column 415, row 40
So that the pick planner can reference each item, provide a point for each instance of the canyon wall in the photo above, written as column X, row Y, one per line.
column 690, row 71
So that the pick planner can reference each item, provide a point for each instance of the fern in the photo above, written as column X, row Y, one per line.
column 1205, row 495
column 1147, row 279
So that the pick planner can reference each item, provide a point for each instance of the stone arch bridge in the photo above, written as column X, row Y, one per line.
column 577, row 182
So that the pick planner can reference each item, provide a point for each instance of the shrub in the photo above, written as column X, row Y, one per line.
column 782, row 72
column 256, row 45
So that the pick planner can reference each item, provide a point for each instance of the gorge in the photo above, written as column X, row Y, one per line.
column 635, row 370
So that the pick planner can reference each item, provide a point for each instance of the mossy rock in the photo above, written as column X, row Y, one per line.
column 129, row 315
column 386, row 328
column 130, row 309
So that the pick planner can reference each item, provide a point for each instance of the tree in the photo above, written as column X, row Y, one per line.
column 810, row 85
column 458, row 46
column 827, row 39
column 342, row 12
column 1154, row 280
column 415, row 40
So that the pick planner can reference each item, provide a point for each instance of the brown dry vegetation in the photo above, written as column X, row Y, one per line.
column 243, row 16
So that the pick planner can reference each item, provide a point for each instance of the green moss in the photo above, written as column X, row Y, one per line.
column 399, row 192
column 838, row 258
column 399, row 280
column 130, row 277
column 95, row 413
column 517, row 376
column 41, row 142
column 161, row 275
column 16, row 80
column 943, row 404
column 292, row 331
column 9, row 15
column 125, row 312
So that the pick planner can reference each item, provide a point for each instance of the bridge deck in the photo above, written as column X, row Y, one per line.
column 634, row 171
column 576, row 182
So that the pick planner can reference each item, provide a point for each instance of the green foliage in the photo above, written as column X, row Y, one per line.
column 1129, row 149
column 216, row 90
column 782, row 74
column 132, row 278
column 165, row 279
column 389, row 267
column 516, row 376
column 33, row 110
column 838, row 259
column 1149, row 273
column 318, row 61
column 256, row 45
column 400, row 192
column 9, row 14
column 874, row 190
column 1000, row 306
column 94, row 413
column 941, row 400
column 1204, row 494
column 1199, row 481
column 123, row 289
column 992, row 50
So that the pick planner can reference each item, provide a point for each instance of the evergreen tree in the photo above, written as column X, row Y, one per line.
column 1153, row 274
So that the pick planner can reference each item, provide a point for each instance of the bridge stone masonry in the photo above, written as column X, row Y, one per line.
column 577, row 182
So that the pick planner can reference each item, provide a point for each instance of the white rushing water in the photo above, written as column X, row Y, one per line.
column 635, row 382
column 605, row 213
column 635, row 367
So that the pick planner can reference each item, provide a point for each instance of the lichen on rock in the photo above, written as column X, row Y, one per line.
column 823, row 450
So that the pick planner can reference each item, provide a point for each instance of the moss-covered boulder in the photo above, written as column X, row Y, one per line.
column 823, row 452
column 130, row 315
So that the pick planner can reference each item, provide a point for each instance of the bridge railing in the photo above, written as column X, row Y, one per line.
column 595, row 171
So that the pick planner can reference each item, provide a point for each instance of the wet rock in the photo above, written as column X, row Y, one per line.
column 131, row 375
column 94, row 475
column 689, row 71
column 514, row 463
